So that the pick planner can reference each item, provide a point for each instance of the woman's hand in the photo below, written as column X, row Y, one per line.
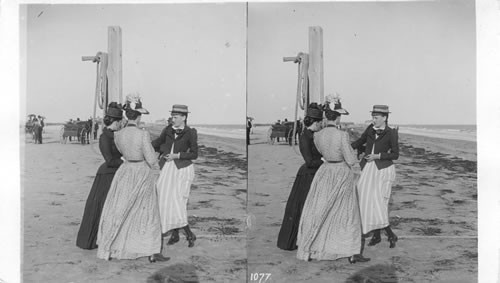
column 372, row 157
column 171, row 157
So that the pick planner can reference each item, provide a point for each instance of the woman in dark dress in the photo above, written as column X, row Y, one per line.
column 287, row 237
column 87, row 235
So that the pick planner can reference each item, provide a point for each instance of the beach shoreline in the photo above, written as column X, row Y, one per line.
column 56, row 180
column 433, row 211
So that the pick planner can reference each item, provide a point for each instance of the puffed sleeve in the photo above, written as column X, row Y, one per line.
column 393, row 154
column 105, row 144
column 148, row 151
column 305, row 146
column 193, row 146
column 156, row 143
column 359, row 143
column 347, row 151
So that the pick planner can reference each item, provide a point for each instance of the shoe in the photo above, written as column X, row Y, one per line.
column 157, row 257
column 190, row 236
column 174, row 238
column 374, row 241
column 392, row 240
column 191, row 240
column 358, row 258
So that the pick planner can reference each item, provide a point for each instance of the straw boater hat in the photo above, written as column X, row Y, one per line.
column 335, row 100
column 384, row 109
column 133, row 102
column 179, row 109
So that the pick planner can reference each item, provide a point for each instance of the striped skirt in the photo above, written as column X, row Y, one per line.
column 129, row 227
column 173, row 188
column 374, row 192
column 330, row 226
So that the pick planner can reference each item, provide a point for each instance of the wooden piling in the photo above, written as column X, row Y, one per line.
column 114, row 70
column 316, row 82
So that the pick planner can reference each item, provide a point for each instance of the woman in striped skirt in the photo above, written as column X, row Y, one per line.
column 379, row 143
column 178, row 146
column 330, row 227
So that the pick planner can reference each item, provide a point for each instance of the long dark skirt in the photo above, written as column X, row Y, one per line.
column 287, row 237
column 87, row 235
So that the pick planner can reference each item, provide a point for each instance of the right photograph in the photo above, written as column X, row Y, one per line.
column 361, row 140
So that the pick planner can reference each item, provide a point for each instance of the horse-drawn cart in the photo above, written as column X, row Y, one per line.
column 283, row 131
column 79, row 130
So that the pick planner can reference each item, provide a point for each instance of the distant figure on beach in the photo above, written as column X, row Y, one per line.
column 380, row 146
column 87, row 235
column 278, row 123
column 178, row 146
column 249, row 128
column 130, row 222
column 96, row 129
column 37, row 130
column 330, row 226
column 298, row 132
column 42, row 123
column 287, row 237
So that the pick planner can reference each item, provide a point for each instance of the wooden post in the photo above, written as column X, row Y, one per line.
column 316, row 87
column 114, row 69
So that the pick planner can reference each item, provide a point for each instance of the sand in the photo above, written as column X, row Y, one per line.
column 56, row 180
column 433, row 211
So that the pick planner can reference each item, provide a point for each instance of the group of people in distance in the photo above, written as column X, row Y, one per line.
column 328, row 215
column 137, row 197
column 38, row 125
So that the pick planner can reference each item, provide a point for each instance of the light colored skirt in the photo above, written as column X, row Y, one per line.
column 330, row 226
column 374, row 191
column 173, row 188
column 130, row 222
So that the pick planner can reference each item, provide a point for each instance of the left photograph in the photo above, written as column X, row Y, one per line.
column 133, row 152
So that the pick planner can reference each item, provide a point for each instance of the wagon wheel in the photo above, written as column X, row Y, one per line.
column 290, row 137
column 62, row 138
column 83, row 136
column 270, row 139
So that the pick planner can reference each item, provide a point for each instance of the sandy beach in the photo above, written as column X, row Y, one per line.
column 56, row 180
column 433, row 211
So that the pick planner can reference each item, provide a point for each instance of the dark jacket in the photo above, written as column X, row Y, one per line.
column 186, row 144
column 310, row 153
column 386, row 144
column 110, row 153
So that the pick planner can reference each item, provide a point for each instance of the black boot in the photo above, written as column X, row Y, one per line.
column 357, row 258
column 392, row 238
column 174, row 238
column 190, row 236
column 375, row 238
column 158, row 256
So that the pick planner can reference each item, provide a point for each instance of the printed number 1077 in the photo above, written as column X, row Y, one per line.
column 259, row 277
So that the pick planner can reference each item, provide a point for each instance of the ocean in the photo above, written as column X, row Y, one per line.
column 454, row 132
column 228, row 131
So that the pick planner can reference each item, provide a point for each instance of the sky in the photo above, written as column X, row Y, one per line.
column 417, row 57
column 192, row 54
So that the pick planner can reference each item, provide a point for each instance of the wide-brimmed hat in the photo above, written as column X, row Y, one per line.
column 383, row 109
column 335, row 101
column 133, row 102
column 179, row 109
column 314, row 111
column 114, row 110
